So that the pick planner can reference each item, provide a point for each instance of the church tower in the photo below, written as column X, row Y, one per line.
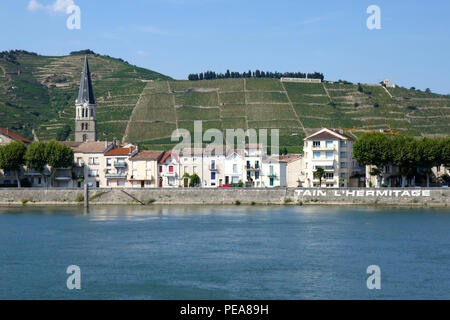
column 85, row 116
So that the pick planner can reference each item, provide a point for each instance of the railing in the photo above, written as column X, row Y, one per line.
column 116, row 175
column 120, row 165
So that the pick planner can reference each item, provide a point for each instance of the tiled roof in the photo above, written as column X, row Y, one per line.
column 13, row 136
column 290, row 157
column 328, row 134
column 148, row 155
column 165, row 157
column 120, row 152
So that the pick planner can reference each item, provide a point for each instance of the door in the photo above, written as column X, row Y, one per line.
column 142, row 184
column 227, row 180
column 160, row 182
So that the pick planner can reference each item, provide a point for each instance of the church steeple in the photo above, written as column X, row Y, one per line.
column 86, row 109
column 86, row 93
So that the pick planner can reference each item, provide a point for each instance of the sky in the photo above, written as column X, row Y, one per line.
column 178, row 37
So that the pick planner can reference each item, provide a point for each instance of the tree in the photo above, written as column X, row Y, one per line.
column 12, row 158
column 429, row 155
column 35, row 158
column 374, row 149
column 58, row 156
column 404, row 156
column 319, row 174
column 194, row 181
column 445, row 152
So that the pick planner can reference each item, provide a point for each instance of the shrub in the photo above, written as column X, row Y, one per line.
column 24, row 201
column 253, row 203
column 150, row 201
column 237, row 203
column 287, row 200
column 79, row 198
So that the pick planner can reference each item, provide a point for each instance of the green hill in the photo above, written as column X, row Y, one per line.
column 131, row 106
column 39, row 92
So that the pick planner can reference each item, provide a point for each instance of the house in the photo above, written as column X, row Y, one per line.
column 169, row 170
column 144, row 169
column 295, row 175
column 332, row 151
column 214, row 166
column 273, row 173
column 7, row 136
column 117, row 171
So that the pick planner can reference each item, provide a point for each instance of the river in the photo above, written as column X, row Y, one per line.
column 224, row 252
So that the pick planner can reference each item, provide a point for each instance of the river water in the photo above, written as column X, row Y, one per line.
column 225, row 252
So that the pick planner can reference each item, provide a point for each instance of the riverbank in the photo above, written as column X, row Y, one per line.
column 432, row 197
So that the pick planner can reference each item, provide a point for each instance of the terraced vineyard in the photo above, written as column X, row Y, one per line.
column 133, row 107
column 38, row 93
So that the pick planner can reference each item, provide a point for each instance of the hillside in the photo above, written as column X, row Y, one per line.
column 39, row 92
column 41, row 97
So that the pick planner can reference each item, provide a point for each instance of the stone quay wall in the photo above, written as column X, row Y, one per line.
column 432, row 197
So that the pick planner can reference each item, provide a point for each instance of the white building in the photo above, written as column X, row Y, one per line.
column 332, row 151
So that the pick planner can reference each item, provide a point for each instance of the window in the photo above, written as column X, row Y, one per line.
column 93, row 161
column 316, row 155
column 330, row 155
column 343, row 154
column 160, row 169
column 234, row 168
column 257, row 164
column 79, row 161
column 135, row 184
column 213, row 176
column 329, row 176
column 271, row 182
column 121, row 183
column 235, row 179
column 343, row 175
column 171, row 169
column 93, row 173
column 134, row 164
column 271, row 170
column 342, row 143
column 108, row 183
column 248, row 164
column 149, row 164
column 316, row 144
column 149, row 174
column 329, row 144
column 256, row 175
column 108, row 162
column 134, row 173
column 343, row 165
column 213, row 164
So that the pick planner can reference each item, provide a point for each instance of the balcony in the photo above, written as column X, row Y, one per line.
column 213, row 168
column 116, row 175
column 63, row 178
column 78, row 164
column 141, row 178
column 168, row 174
column 324, row 148
column 252, row 168
column 120, row 165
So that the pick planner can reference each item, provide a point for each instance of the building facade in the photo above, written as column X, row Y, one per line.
column 333, row 152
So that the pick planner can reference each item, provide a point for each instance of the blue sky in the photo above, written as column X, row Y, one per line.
column 178, row 37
